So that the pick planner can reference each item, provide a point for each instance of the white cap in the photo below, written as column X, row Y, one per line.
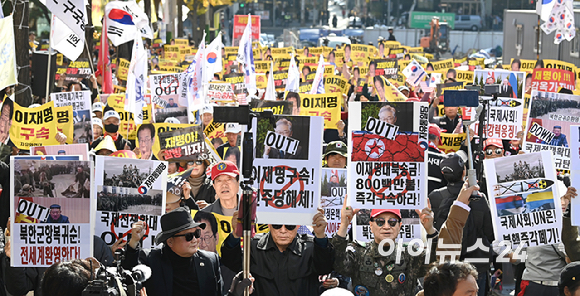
column 171, row 120
column 98, row 122
column 97, row 107
column 233, row 127
column 207, row 109
column 111, row 113
column 34, row 106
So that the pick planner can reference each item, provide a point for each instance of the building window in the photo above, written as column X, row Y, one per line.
column 536, row 42
column 575, row 45
column 519, row 39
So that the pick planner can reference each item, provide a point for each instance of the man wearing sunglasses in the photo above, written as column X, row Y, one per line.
column 178, row 267
column 283, row 262
column 395, row 274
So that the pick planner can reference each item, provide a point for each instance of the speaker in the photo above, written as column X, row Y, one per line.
column 39, row 81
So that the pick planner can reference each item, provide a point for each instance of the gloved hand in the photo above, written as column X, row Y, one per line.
column 239, row 285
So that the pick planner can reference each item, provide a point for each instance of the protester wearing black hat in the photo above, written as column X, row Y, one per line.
column 569, row 283
column 111, row 122
column 178, row 267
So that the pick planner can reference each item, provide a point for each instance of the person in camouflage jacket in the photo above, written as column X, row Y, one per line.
column 375, row 274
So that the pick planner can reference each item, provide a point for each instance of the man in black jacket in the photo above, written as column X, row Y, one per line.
column 283, row 262
column 478, row 229
column 178, row 267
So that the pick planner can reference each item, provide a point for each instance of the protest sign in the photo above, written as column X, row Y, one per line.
column 129, row 190
column 505, row 119
column 386, row 67
column 8, row 61
column 53, row 222
column 451, row 142
column 217, row 228
column 333, row 191
column 184, row 144
column 288, row 189
column 78, row 69
column 238, row 83
column 277, row 107
column 127, row 127
column 149, row 148
column 441, row 88
column 240, row 23
column 410, row 226
column 38, row 126
column 280, row 79
column 123, row 69
column 388, row 165
column 464, row 76
column 220, row 92
column 336, row 84
column 443, row 65
column 386, row 91
column 524, row 199
column 325, row 105
column 511, row 83
column 552, row 80
column 164, row 92
column 548, row 126
column 81, row 106
column 73, row 149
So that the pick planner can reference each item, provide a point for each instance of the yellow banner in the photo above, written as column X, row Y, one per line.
column 360, row 52
column 161, row 128
column 123, row 69
column 181, row 42
column 526, row 65
column 171, row 52
column 464, row 76
column 215, row 130
column 451, row 142
column 443, row 65
column 336, row 84
column 261, row 80
column 262, row 66
column 127, row 129
column 325, row 105
column 38, row 126
column 386, row 91
column 65, row 123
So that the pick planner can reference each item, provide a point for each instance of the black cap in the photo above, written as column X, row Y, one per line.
column 452, row 167
column 174, row 222
column 570, row 275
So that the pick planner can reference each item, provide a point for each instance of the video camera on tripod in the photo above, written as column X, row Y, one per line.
column 471, row 98
column 116, row 281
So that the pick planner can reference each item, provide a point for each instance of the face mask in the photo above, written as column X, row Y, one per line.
column 111, row 128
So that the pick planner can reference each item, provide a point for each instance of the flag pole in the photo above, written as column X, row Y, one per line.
column 49, row 62
column 92, row 66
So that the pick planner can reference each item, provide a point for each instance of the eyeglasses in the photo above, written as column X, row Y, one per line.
column 497, row 151
column 197, row 162
column 207, row 238
column 191, row 235
column 381, row 222
column 289, row 227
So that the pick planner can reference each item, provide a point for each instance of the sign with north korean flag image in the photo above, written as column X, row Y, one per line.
column 388, row 163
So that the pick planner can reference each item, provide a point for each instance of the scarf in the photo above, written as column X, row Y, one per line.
column 196, row 184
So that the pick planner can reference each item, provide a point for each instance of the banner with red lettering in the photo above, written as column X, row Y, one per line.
column 51, row 211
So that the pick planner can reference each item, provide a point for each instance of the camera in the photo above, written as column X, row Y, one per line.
column 116, row 281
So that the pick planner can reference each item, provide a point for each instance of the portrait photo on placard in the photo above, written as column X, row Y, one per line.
column 281, row 141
